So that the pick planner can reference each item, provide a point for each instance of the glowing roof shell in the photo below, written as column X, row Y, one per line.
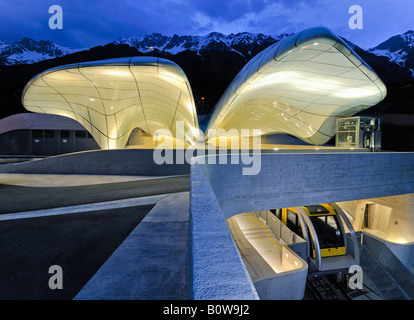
column 112, row 97
column 298, row 86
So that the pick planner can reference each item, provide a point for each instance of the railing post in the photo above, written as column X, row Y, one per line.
column 314, row 236
column 357, row 254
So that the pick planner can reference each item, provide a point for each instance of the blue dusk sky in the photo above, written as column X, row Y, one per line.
column 90, row 23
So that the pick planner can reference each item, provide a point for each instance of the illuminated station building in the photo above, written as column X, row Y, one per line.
column 300, row 86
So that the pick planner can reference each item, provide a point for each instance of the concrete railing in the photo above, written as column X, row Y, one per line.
column 100, row 162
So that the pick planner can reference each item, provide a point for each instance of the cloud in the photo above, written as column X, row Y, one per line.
column 270, row 17
column 88, row 23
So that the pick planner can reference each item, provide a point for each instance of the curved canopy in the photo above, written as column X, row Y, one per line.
column 298, row 86
column 112, row 97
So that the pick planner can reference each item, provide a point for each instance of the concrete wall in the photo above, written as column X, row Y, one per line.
column 284, row 180
column 216, row 267
column 404, row 252
column 391, row 220
column 288, row 285
column 289, row 180
column 100, row 162
column 392, row 216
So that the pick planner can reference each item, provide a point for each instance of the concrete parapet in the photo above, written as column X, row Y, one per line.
column 217, row 271
column 100, row 162
column 290, row 180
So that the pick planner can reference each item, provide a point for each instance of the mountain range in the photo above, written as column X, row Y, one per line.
column 398, row 49
column 28, row 51
column 244, row 43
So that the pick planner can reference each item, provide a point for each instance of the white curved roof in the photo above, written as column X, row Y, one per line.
column 298, row 86
column 112, row 97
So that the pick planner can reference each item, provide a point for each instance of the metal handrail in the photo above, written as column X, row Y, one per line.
column 357, row 253
column 314, row 236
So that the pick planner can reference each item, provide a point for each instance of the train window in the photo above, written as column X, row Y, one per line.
column 318, row 209
column 277, row 213
column 292, row 220
column 328, row 231
column 299, row 229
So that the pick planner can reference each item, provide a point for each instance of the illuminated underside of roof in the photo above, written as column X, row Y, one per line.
column 112, row 97
column 298, row 86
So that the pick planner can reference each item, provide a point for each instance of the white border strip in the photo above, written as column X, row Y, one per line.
column 124, row 203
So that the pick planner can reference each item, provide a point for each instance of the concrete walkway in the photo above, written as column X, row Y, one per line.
column 79, row 243
column 151, row 264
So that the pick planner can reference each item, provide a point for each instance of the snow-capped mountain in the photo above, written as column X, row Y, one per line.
column 213, row 41
column 398, row 49
column 396, row 52
column 28, row 51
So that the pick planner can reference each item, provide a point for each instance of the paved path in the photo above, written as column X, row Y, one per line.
column 80, row 243
column 17, row 198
